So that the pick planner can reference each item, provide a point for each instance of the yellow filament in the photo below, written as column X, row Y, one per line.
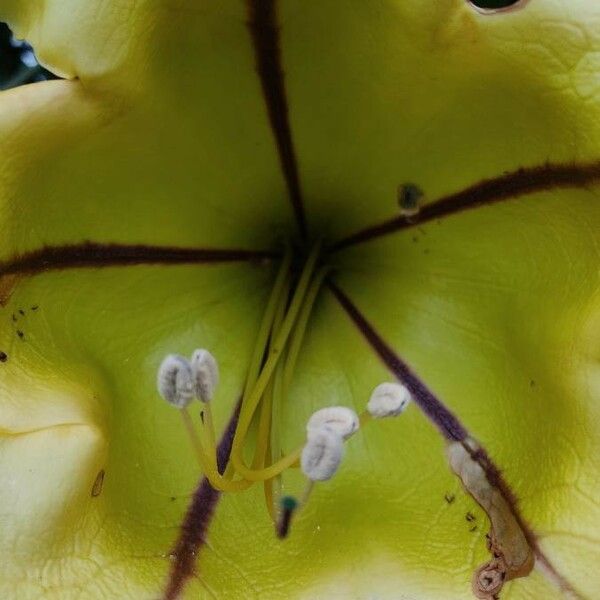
column 287, row 461
column 279, row 291
column 269, row 499
column 264, row 426
column 364, row 418
column 272, row 436
column 281, row 333
column 250, row 403
column 275, row 431
column 300, row 328
column 265, row 422
column 194, row 439
column 284, row 372
column 268, row 491
column 306, row 494
column 207, row 465
column 291, row 459
column 208, row 434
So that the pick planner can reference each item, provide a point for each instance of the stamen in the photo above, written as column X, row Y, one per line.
column 205, row 374
column 207, row 457
column 176, row 384
column 270, row 498
column 250, row 403
column 270, row 419
column 269, row 377
column 300, row 328
column 388, row 400
column 276, row 297
column 174, row 381
column 277, row 398
column 266, row 325
column 264, row 429
column 322, row 454
column 188, row 423
column 341, row 420
column 285, row 368
column 264, row 384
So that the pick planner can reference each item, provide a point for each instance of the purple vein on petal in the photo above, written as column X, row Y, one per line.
column 193, row 530
column 508, row 186
column 449, row 425
column 267, row 49
column 96, row 255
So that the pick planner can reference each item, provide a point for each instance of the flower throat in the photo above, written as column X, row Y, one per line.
column 268, row 380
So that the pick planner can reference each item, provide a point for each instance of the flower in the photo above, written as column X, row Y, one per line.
column 448, row 161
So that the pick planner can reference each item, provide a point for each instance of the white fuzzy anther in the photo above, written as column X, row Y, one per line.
column 322, row 454
column 174, row 380
column 205, row 373
column 341, row 420
column 388, row 400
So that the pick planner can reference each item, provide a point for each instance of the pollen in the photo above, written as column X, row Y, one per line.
column 388, row 400
column 174, row 380
column 205, row 374
column 343, row 421
column 322, row 455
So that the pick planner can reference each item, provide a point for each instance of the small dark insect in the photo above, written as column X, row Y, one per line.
column 21, row 312
column 20, row 333
column 474, row 528
column 97, row 487
column 449, row 498
column 173, row 498
column 34, row 307
column 409, row 196
column 470, row 517
column 202, row 416
column 3, row 356
column 531, row 383
column 14, row 318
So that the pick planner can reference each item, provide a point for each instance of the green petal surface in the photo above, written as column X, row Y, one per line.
column 163, row 143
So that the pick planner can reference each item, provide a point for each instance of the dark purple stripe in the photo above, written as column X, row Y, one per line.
column 486, row 192
column 265, row 37
column 446, row 422
column 92, row 254
column 192, row 534
column 440, row 416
